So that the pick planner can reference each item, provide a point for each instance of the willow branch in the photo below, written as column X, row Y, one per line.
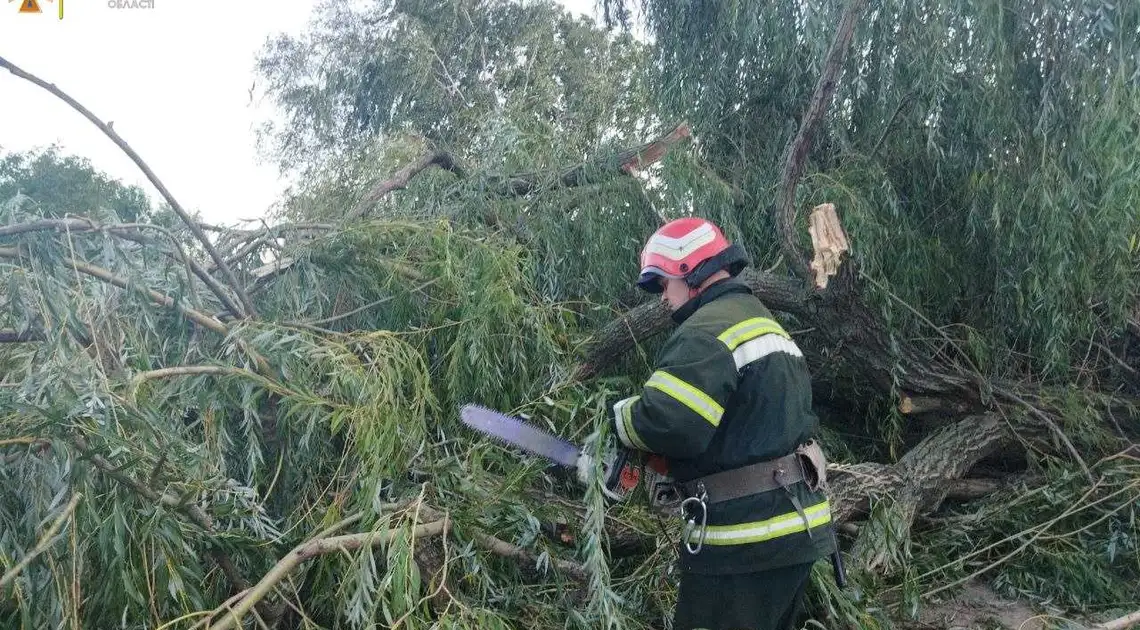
column 798, row 149
column 129, row 232
column 234, row 237
column 505, row 549
column 307, row 551
column 623, row 163
column 400, row 180
column 162, row 300
column 360, row 309
column 1043, row 417
column 177, row 207
column 194, row 513
column 45, row 541
column 183, row 370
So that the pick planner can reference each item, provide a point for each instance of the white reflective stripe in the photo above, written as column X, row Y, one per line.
column 749, row 329
column 681, row 246
column 759, row 531
column 763, row 346
column 623, row 421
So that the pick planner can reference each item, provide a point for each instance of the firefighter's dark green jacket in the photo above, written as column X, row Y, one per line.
column 731, row 389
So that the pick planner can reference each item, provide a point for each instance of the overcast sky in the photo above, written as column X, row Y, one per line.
column 175, row 79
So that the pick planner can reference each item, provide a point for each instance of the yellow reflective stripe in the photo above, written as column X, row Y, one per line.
column 687, row 395
column 750, row 329
column 760, row 531
column 623, row 420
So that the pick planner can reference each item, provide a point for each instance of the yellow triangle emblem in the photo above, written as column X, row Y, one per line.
column 30, row 6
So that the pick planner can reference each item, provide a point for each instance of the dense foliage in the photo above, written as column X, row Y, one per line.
column 982, row 157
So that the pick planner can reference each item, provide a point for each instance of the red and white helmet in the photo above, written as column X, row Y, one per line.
column 689, row 248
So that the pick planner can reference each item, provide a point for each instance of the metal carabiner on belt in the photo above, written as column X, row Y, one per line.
column 691, row 522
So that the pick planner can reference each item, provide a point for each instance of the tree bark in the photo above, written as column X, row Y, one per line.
column 917, row 484
column 797, row 151
column 401, row 179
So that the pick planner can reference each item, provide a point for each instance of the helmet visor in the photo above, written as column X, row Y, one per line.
column 652, row 279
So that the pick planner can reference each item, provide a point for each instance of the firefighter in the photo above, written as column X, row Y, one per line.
column 729, row 410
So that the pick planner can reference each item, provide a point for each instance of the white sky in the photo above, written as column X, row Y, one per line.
column 175, row 80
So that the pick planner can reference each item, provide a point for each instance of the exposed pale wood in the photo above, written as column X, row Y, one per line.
column 829, row 242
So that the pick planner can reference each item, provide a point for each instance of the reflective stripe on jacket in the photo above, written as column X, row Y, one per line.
column 731, row 388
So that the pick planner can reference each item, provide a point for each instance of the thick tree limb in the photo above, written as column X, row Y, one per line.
column 837, row 316
column 797, row 151
column 177, row 207
column 624, row 163
column 400, row 180
column 44, row 543
column 918, row 483
column 652, row 318
column 972, row 489
column 129, row 232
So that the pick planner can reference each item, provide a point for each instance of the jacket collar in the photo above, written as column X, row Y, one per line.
column 712, row 292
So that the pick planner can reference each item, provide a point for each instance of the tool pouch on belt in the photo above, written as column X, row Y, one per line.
column 664, row 496
column 814, row 465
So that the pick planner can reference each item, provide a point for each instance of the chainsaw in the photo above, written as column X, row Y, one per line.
column 621, row 470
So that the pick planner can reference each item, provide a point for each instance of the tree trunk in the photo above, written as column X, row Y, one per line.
column 837, row 316
column 917, row 484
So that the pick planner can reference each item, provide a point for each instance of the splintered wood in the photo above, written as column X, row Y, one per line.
column 829, row 242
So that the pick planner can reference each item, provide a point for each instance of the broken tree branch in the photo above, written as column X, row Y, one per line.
column 829, row 242
column 646, row 321
column 177, row 207
column 625, row 162
column 182, row 370
column 400, row 180
column 916, row 484
column 798, row 149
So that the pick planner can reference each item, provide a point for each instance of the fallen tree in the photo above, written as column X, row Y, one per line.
column 301, row 463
